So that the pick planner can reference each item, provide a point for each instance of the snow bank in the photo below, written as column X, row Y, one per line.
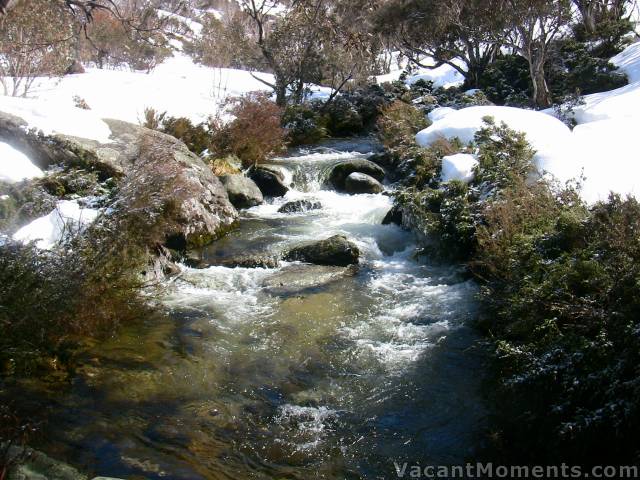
column 629, row 62
column 15, row 166
column 177, row 86
column 550, row 137
column 49, row 230
column 439, row 113
column 58, row 117
column 458, row 167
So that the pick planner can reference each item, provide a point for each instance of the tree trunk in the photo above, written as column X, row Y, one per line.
column 541, row 94
column 281, row 93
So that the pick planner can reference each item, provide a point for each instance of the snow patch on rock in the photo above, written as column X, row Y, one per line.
column 15, row 166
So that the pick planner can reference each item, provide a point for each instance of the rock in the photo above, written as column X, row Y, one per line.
column 296, row 280
column 156, row 174
column 38, row 466
column 270, row 181
column 336, row 250
column 250, row 261
column 299, row 206
column 242, row 191
column 341, row 171
column 394, row 216
column 191, row 203
column 362, row 183
column 75, row 68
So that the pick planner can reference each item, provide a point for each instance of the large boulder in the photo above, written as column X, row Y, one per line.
column 242, row 191
column 297, row 206
column 270, row 180
column 341, row 171
column 362, row 183
column 155, row 173
column 336, row 250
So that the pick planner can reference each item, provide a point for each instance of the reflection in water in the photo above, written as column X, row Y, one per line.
column 296, row 372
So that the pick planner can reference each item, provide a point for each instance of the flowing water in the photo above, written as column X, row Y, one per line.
column 296, row 372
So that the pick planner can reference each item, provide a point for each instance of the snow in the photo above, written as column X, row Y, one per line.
column 53, row 117
column 603, row 148
column 548, row 135
column 444, row 76
column 49, row 230
column 439, row 113
column 177, row 86
column 458, row 167
column 15, row 166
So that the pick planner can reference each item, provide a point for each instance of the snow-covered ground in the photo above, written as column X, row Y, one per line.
column 177, row 86
column 603, row 147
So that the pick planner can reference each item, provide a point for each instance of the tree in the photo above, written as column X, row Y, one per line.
column 35, row 42
column 313, row 43
column 534, row 26
column 464, row 34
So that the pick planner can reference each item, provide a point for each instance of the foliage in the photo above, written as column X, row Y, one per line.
column 196, row 137
column 254, row 134
column 304, row 124
column 506, row 81
column 398, row 125
column 30, row 47
column 135, row 41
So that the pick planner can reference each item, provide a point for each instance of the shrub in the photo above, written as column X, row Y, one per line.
column 196, row 137
column 343, row 118
column 398, row 125
column 254, row 134
column 304, row 125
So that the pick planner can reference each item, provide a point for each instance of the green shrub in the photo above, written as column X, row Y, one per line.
column 304, row 124
column 197, row 138
column 504, row 156
column 398, row 125
column 343, row 118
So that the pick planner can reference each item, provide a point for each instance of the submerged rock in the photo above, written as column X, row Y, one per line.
column 362, row 183
column 299, row 206
column 340, row 172
column 337, row 250
column 296, row 280
column 270, row 181
column 35, row 465
column 243, row 192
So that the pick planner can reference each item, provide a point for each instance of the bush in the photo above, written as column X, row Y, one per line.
column 304, row 124
column 398, row 125
column 254, row 134
column 343, row 118
column 196, row 137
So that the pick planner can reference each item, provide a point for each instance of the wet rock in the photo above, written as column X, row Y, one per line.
column 295, row 280
column 299, row 206
column 340, row 172
column 357, row 183
column 243, row 192
column 270, row 181
column 337, row 250
column 35, row 465
column 250, row 261
column 393, row 216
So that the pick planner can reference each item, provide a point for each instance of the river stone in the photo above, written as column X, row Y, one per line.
column 341, row 171
column 270, row 181
column 243, row 192
column 250, row 261
column 38, row 466
column 302, row 279
column 299, row 206
column 393, row 216
column 357, row 183
column 337, row 250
